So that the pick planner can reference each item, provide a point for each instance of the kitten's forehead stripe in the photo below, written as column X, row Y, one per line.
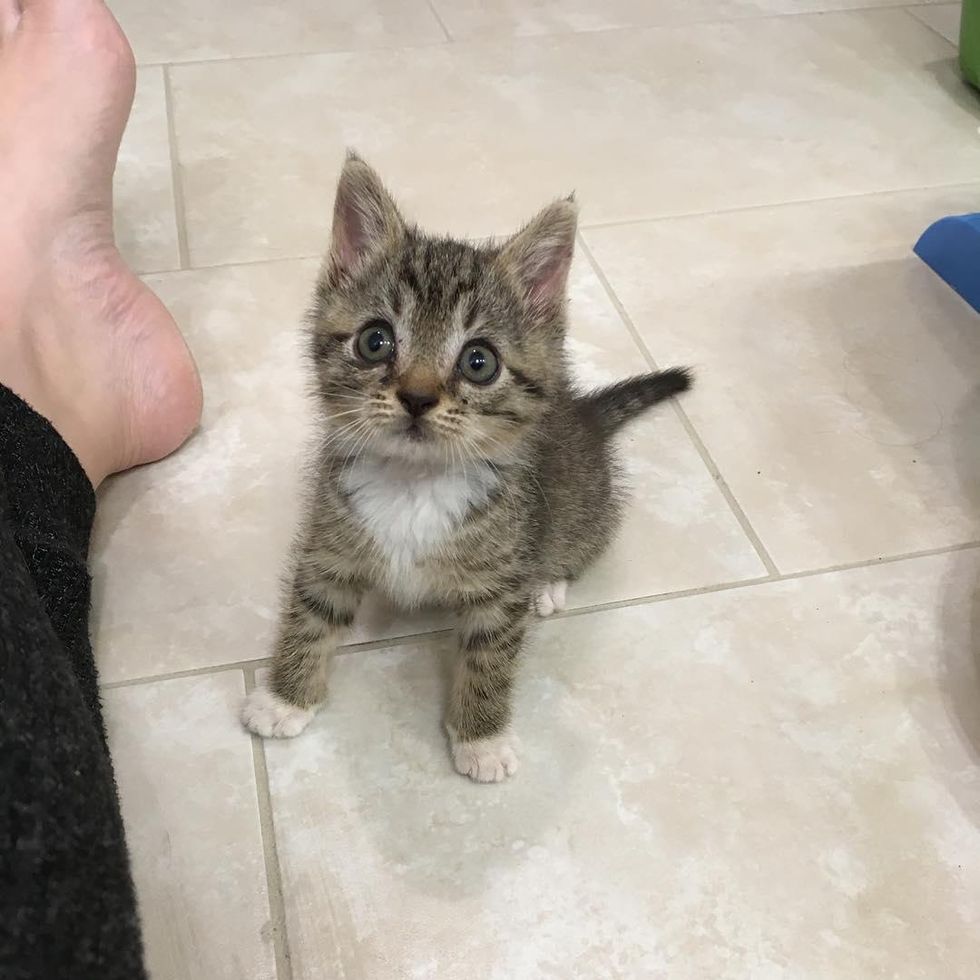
column 440, row 282
column 441, row 272
column 472, row 311
column 409, row 277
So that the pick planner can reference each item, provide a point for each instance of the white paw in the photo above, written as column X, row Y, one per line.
column 551, row 598
column 487, row 760
column 268, row 715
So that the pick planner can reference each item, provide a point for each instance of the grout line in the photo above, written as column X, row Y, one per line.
column 733, row 504
column 249, row 666
column 316, row 53
column 159, row 272
column 258, row 662
column 765, row 580
column 935, row 30
column 442, row 23
column 503, row 39
column 174, row 675
column 651, row 600
column 369, row 645
column 270, row 851
column 233, row 264
column 797, row 202
column 180, row 212
column 600, row 225
column 726, row 491
column 883, row 560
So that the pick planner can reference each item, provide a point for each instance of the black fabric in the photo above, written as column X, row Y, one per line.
column 67, row 906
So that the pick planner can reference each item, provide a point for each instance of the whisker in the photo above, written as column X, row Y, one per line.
column 337, row 415
column 344, row 434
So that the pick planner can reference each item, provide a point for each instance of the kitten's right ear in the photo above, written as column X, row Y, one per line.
column 365, row 218
column 538, row 257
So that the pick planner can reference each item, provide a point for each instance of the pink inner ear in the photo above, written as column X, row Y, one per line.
column 547, row 282
column 349, row 236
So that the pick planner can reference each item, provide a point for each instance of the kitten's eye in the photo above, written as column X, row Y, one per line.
column 376, row 342
column 479, row 363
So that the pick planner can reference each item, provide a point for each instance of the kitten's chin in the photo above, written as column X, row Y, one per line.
column 411, row 443
column 415, row 434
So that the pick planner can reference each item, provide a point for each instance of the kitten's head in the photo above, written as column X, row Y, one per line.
column 431, row 349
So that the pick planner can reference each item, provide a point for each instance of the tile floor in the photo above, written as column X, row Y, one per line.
column 752, row 744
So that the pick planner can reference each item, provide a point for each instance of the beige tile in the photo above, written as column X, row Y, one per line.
column 187, row 785
column 483, row 18
column 772, row 782
column 190, row 30
column 838, row 390
column 944, row 18
column 146, row 228
column 678, row 533
column 188, row 553
column 474, row 137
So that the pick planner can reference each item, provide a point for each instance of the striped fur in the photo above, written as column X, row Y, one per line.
column 611, row 408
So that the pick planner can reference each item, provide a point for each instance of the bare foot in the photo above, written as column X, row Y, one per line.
column 82, row 340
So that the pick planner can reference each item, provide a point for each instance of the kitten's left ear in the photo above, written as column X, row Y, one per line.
column 365, row 218
column 540, row 254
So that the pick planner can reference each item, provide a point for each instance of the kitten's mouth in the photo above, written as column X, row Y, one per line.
column 414, row 432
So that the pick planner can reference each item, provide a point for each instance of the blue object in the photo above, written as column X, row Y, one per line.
column 951, row 248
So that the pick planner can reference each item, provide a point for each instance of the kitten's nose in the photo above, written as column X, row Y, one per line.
column 417, row 403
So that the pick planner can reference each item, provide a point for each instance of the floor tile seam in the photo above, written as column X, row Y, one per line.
column 587, row 227
column 394, row 47
column 270, row 849
column 176, row 178
column 763, row 580
column 257, row 663
column 910, row 8
column 772, row 205
column 450, row 39
column 410, row 638
column 695, row 438
column 442, row 24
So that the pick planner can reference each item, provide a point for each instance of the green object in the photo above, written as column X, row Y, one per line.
column 970, row 41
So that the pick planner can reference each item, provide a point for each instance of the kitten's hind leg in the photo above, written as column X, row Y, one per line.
column 551, row 598
column 316, row 611
column 491, row 635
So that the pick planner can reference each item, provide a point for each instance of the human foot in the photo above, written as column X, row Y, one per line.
column 82, row 340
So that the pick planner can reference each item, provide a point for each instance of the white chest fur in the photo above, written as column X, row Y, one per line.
column 411, row 509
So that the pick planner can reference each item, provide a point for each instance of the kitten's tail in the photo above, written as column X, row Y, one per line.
column 612, row 407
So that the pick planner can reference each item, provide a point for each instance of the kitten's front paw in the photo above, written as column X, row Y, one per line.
column 487, row 760
column 268, row 715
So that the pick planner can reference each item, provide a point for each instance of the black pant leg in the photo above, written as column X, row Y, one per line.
column 67, row 906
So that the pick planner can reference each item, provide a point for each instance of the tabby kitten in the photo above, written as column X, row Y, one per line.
column 459, row 465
